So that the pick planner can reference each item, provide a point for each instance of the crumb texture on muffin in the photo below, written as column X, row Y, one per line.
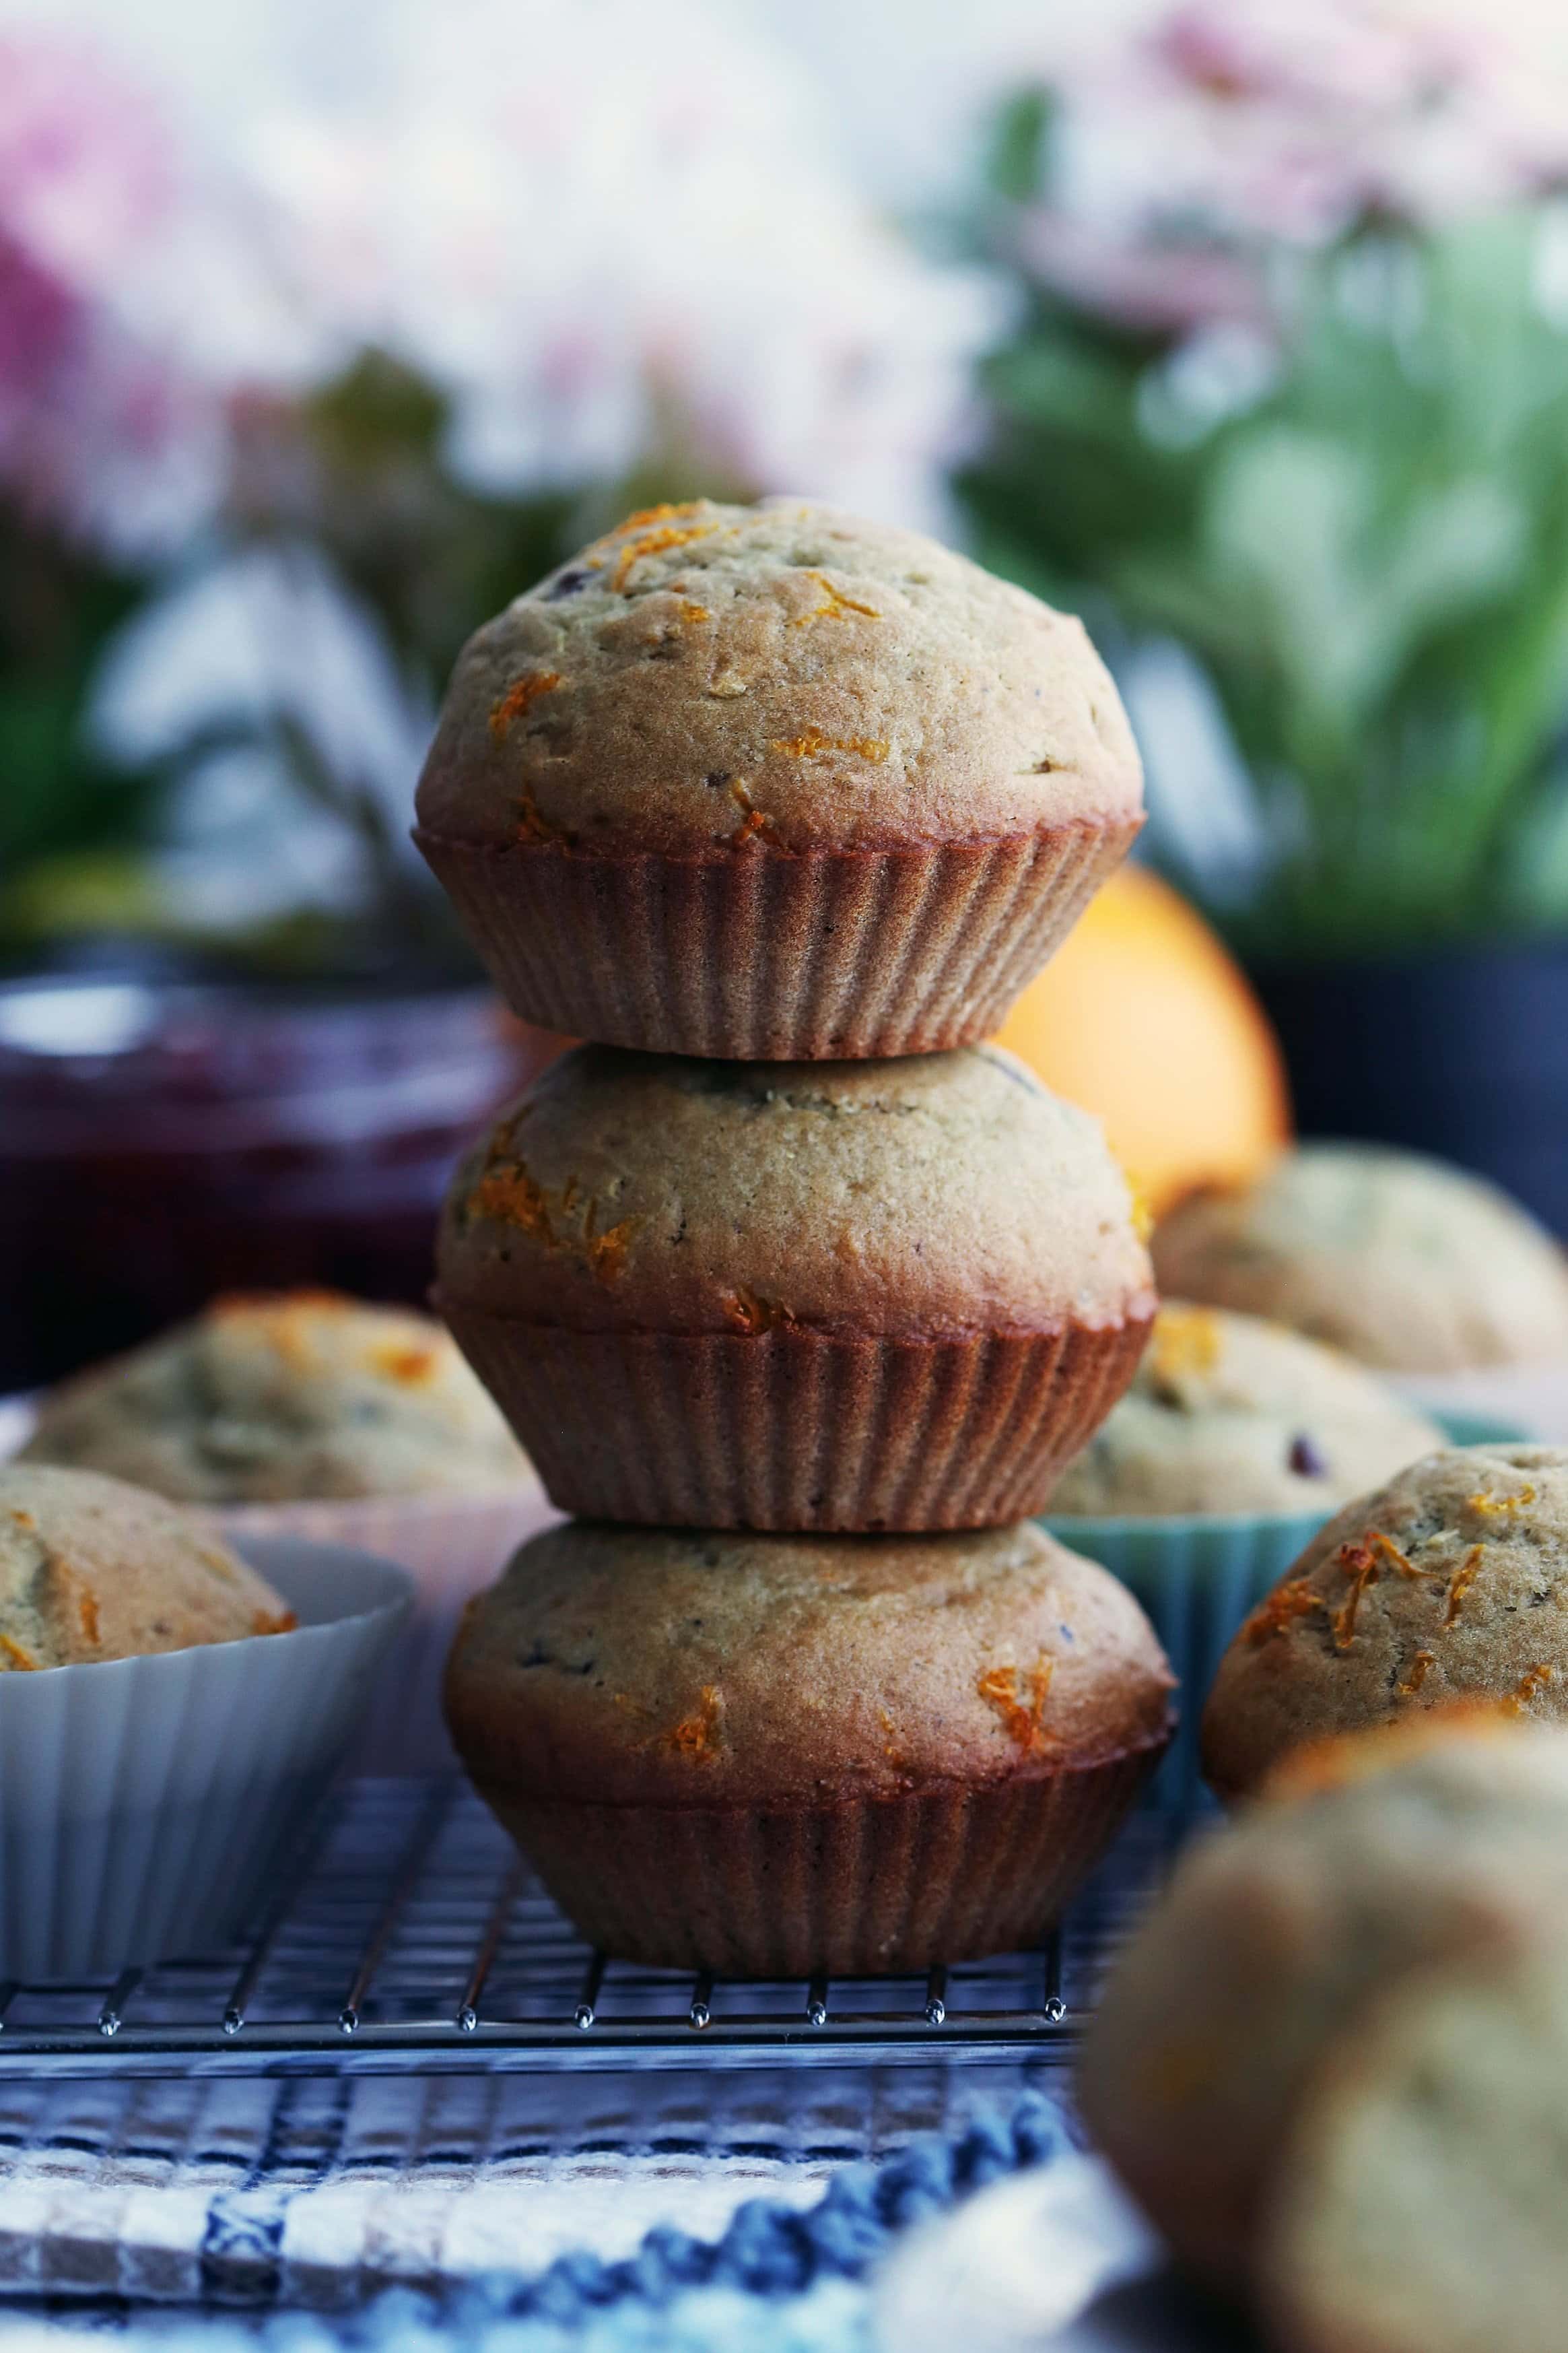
column 785, row 676
column 653, row 1667
column 1279, row 1934
column 1230, row 1413
column 1450, row 1583
column 283, row 1398
column 1419, row 2204
column 92, row 1568
column 940, row 1194
column 1404, row 1261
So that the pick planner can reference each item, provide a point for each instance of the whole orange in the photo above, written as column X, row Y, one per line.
column 1143, row 1018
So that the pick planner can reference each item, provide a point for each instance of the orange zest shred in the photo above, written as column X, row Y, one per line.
column 517, row 698
column 1497, row 1508
column 1023, row 1721
column 645, row 517
column 273, row 1621
column 656, row 542
column 834, row 604
column 1389, row 1553
column 811, row 743
column 17, row 1656
column 749, row 1312
column 689, row 612
column 695, row 1736
column 754, row 824
column 1420, row 1667
column 532, row 825
column 86, row 1615
column 1359, row 1562
column 508, row 1193
column 1465, row 1577
column 1528, row 1684
column 1279, row 1610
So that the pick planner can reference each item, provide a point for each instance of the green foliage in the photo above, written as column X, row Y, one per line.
column 431, row 558
column 57, row 608
column 1369, row 556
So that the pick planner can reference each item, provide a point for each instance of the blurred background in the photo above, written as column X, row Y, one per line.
column 1240, row 326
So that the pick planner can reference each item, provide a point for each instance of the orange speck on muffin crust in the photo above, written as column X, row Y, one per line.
column 1279, row 1610
column 1465, row 1577
column 518, row 696
column 811, row 743
column 998, row 1687
column 507, row 1192
column 1532, row 1680
column 695, row 1736
column 833, row 605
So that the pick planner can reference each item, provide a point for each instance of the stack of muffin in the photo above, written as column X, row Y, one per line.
column 780, row 810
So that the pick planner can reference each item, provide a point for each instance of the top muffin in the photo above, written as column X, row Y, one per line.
column 710, row 676
column 1403, row 1261
column 91, row 1569
column 1228, row 1413
column 284, row 1398
column 770, row 784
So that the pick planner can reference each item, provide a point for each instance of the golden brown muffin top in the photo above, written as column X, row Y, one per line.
column 281, row 1396
column 1230, row 1414
column 92, row 1568
column 659, row 1667
column 1450, row 1583
column 942, row 1192
column 1403, row 1261
column 707, row 677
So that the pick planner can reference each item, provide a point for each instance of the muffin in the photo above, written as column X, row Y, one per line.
column 282, row 1397
column 1419, row 2202
column 1407, row 1263
column 91, row 1569
column 305, row 1414
column 1450, row 1583
column 769, row 1755
column 820, row 1296
column 1278, row 1935
column 770, row 783
column 1228, row 1414
column 156, row 1759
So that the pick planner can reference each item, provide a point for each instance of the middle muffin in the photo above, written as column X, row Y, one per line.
column 830, row 1296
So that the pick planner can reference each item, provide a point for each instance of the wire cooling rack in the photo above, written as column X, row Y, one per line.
column 408, row 1937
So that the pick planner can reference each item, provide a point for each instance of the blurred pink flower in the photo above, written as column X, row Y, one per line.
column 112, row 382
column 1224, row 126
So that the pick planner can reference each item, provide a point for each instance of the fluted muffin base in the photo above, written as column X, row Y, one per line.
column 759, row 953
column 852, row 1889
column 797, row 1430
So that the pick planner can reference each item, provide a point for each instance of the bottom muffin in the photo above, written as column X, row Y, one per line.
column 770, row 1756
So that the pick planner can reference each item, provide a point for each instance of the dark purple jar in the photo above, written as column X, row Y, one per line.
column 162, row 1143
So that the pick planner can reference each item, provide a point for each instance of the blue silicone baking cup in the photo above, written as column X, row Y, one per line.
column 1198, row 1576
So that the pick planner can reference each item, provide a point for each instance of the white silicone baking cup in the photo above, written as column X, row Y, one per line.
column 453, row 1546
column 144, row 1802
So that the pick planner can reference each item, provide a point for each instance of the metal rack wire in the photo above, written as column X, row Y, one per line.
column 408, row 1937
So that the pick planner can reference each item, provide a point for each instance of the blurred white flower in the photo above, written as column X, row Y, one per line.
column 579, row 221
column 267, row 638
